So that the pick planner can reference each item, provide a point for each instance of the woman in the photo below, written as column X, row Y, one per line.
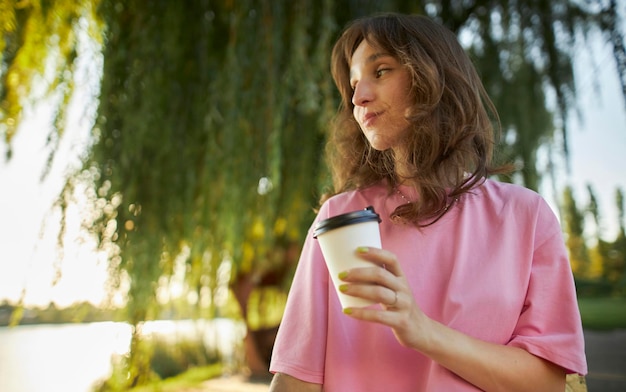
column 473, row 281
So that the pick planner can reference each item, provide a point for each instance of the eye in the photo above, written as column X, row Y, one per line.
column 381, row 71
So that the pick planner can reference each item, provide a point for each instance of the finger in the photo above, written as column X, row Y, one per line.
column 393, row 304
column 379, row 294
column 373, row 276
column 381, row 257
column 373, row 314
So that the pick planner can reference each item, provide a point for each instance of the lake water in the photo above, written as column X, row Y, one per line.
column 72, row 357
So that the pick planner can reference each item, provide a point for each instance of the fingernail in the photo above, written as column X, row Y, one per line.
column 343, row 275
column 343, row 288
column 362, row 249
column 347, row 310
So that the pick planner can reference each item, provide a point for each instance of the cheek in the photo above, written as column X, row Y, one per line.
column 404, row 104
column 355, row 114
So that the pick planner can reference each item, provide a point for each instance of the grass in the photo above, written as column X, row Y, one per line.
column 603, row 313
column 188, row 380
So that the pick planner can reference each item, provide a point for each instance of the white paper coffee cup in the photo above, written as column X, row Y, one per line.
column 339, row 237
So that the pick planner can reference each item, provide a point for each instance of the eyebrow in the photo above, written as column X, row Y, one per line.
column 376, row 56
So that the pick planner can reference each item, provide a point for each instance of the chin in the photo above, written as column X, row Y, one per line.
column 379, row 147
column 378, row 143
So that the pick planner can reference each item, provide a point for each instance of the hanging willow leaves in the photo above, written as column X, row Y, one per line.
column 209, row 130
column 38, row 51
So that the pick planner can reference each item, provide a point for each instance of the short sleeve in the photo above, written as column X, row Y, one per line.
column 300, row 346
column 550, row 325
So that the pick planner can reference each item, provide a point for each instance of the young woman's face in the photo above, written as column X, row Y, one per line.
column 381, row 99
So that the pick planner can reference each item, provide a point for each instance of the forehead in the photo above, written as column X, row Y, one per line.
column 364, row 55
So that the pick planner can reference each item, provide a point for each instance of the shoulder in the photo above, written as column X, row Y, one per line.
column 507, row 194
column 509, row 191
column 354, row 200
column 505, row 200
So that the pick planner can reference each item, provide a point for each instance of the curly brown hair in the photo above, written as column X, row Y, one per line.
column 453, row 121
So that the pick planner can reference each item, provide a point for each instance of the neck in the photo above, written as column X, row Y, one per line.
column 403, row 169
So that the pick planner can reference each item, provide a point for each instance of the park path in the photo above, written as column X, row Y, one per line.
column 234, row 384
column 606, row 358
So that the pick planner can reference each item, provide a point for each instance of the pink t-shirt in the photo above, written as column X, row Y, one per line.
column 494, row 267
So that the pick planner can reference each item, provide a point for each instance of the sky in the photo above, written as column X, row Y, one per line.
column 30, row 260
column 597, row 137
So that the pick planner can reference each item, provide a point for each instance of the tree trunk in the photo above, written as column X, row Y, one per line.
column 257, row 344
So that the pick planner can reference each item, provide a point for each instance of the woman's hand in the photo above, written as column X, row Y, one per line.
column 489, row 366
column 386, row 284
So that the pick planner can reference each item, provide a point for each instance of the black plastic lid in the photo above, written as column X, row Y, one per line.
column 365, row 215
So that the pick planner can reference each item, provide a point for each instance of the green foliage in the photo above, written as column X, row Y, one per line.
column 84, row 312
column 619, row 201
column 194, row 115
column 188, row 380
column 171, row 359
column 208, row 134
column 603, row 313
column 598, row 264
column 267, row 307
column 174, row 365
column 574, row 234
column 38, row 50
column 522, row 53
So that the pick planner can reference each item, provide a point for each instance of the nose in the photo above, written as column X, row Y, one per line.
column 363, row 94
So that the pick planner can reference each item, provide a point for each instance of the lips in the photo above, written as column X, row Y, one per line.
column 369, row 118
